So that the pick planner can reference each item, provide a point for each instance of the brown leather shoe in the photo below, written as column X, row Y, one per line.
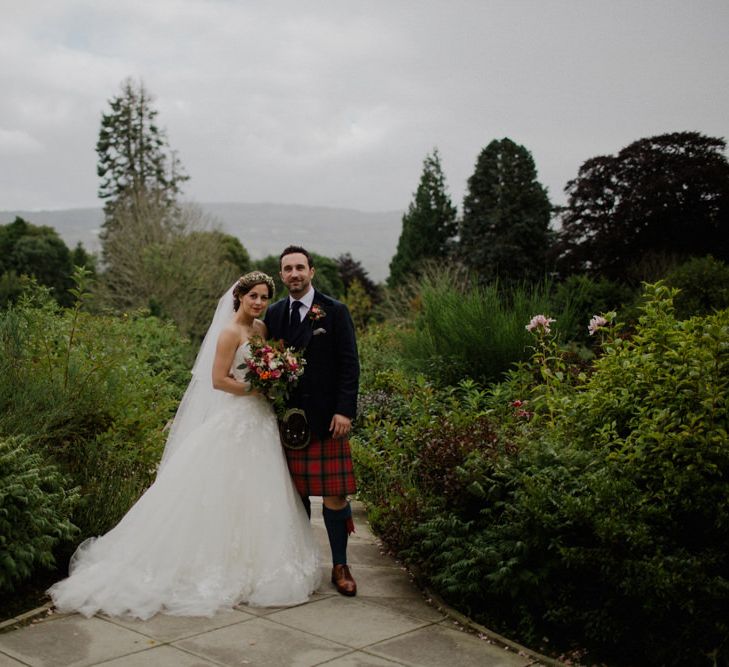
column 343, row 580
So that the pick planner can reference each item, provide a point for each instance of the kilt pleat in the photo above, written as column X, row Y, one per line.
column 322, row 468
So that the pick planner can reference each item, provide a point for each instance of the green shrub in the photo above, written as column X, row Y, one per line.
column 472, row 332
column 92, row 393
column 34, row 511
column 619, row 514
column 597, row 514
column 584, row 297
column 704, row 286
column 417, row 444
column 378, row 351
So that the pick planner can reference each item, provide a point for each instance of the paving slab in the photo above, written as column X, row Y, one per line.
column 165, row 628
column 437, row 645
column 161, row 656
column 262, row 642
column 72, row 641
column 416, row 607
column 369, row 554
column 323, row 592
column 388, row 624
column 362, row 659
column 7, row 661
column 387, row 582
column 348, row 621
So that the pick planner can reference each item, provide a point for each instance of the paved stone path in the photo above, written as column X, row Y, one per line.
column 387, row 624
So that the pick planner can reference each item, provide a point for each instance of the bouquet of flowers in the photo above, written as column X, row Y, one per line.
column 274, row 370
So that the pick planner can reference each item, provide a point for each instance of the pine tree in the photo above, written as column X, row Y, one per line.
column 429, row 225
column 505, row 228
column 135, row 162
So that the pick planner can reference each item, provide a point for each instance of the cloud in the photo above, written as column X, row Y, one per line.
column 17, row 142
column 337, row 102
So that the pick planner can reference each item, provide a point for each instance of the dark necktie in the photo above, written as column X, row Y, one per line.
column 295, row 315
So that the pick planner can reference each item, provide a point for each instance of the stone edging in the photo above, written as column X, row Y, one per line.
column 463, row 620
column 460, row 618
column 25, row 618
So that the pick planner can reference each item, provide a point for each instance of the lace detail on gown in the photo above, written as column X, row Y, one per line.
column 221, row 524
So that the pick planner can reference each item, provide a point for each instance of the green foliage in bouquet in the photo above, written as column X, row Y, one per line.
column 34, row 509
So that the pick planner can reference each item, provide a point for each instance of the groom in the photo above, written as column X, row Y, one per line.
column 327, row 392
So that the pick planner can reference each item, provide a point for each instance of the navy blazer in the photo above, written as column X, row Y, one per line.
column 331, row 377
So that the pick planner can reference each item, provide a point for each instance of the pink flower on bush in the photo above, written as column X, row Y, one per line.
column 518, row 406
column 597, row 322
column 540, row 324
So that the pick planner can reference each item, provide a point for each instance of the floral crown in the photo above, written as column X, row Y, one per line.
column 249, row 280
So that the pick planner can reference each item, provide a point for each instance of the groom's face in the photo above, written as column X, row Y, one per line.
column 296, row 273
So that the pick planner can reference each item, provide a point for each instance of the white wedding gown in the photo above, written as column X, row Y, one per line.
column 222, row 524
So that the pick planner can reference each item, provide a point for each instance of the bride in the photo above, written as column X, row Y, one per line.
column 222, row 524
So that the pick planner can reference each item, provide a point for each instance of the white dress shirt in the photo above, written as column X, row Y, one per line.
column 306, row 302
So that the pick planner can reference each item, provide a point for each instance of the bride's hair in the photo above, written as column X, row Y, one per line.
column 247, row 282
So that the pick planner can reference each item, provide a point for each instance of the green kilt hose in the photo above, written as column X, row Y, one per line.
column 322, row 468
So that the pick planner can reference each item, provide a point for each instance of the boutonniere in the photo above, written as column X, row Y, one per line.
column 316, row 313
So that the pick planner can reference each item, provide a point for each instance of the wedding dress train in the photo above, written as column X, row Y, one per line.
column 222, row 524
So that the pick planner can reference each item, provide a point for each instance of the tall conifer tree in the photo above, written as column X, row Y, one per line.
column 429, row 225
column 136, row 165
column 506, row 212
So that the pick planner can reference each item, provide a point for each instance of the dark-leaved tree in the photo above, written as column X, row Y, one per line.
column 506, row 212
column 429, row 225
column 37, row 251
column 664, row 196
column 361, row 293
column 351, row 270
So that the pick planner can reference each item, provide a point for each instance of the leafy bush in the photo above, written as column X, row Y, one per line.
column 704, row 286
column 633, row 530
column 475, row 332
column 379, row 351
column 93, row 394
column 595, row 506
column 584, row 297
column 34, row 511
column 418, row 446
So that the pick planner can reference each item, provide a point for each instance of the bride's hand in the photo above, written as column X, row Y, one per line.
column 249, row 390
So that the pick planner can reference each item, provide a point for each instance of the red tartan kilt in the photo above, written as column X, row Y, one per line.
column 322, row 468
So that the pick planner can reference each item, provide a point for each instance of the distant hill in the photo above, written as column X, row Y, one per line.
column 264, row 229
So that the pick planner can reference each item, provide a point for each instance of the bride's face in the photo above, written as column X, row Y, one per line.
column 254, row 302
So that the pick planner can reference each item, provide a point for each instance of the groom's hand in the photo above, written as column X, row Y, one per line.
column 340, row 426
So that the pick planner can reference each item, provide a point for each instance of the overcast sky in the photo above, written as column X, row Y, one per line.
column 336, row 102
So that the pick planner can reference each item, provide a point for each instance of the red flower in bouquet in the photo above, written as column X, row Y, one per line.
column 273, row 369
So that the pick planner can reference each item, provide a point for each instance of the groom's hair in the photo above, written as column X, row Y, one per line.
column 290, row 250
